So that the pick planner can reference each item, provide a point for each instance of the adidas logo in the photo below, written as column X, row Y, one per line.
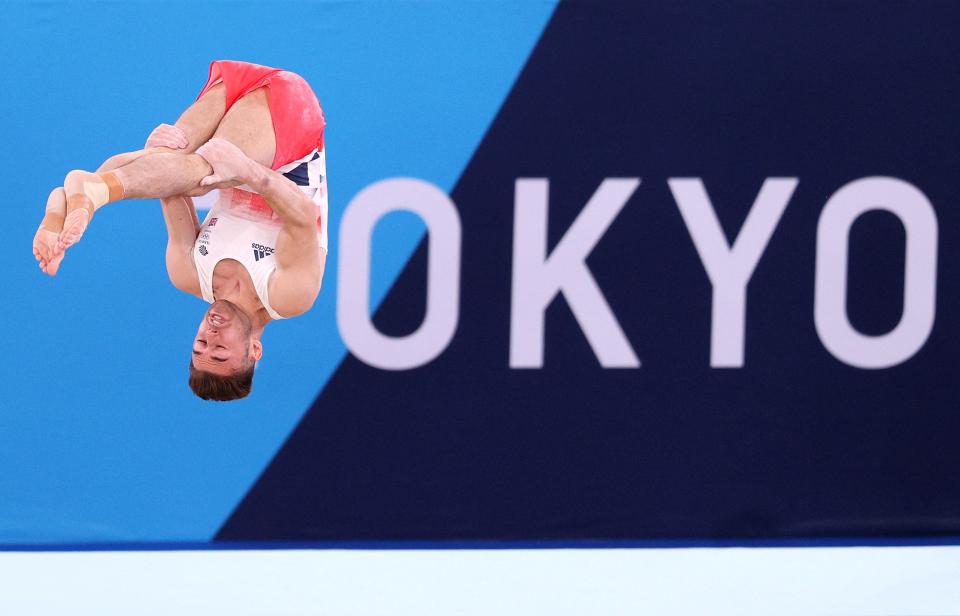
column 202, row 250
column 260, row 251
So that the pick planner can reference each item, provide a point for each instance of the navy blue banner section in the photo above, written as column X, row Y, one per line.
column 829, row 409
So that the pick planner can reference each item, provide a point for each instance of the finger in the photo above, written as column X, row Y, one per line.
column 210, row 179
column 170, row 136
column 173, row 131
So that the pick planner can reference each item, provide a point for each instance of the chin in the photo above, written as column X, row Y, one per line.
column 224, row 304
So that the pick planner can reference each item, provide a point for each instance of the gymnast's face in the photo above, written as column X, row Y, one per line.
column 223, row 344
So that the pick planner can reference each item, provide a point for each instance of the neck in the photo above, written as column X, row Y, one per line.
column 252, row 308
column 258, row 319
column 235, row 285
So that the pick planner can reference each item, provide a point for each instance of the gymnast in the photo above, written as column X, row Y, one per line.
column 256, row 134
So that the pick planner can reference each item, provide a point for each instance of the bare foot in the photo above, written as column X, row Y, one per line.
column 45, row 241
column 81, row 188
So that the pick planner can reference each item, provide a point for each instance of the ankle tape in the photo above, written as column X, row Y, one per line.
column 113, row 185
column 100, row 193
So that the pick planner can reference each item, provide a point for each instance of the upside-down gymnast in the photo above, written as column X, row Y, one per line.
column 255, row 133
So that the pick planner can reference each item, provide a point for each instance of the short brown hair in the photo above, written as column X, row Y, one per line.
column 211, row 386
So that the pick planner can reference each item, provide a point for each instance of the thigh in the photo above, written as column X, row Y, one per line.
column 202, row 118
column 248, row 126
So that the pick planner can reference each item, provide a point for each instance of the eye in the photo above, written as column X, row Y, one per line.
column 220, row 346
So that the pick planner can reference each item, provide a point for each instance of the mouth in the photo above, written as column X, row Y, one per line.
column 219, row 313
column 215, row 319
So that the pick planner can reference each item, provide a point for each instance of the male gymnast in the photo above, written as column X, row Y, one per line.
column 255, row 133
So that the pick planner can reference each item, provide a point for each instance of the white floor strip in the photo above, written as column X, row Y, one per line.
column 768, row 581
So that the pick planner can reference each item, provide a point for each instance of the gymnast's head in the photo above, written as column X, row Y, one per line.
column 225, row 352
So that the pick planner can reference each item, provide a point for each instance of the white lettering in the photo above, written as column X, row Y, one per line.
column 443, row 274
column 537, row 278
column 914, row 210
column 730, row 268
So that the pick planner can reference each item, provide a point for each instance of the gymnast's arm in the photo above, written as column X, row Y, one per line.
column 300, row 259
column 183, row 227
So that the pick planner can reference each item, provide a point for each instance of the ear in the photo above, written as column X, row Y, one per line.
column 256, row 350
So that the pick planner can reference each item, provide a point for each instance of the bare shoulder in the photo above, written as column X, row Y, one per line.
column 191, row 286
column 183, row 273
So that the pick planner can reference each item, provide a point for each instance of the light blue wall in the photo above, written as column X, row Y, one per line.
column 100, row 439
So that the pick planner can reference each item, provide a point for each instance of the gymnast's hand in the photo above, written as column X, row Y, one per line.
column 229, row 163
column 167, row 136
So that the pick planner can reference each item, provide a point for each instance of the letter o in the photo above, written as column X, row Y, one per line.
column 911, row 206
column 443, row 274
